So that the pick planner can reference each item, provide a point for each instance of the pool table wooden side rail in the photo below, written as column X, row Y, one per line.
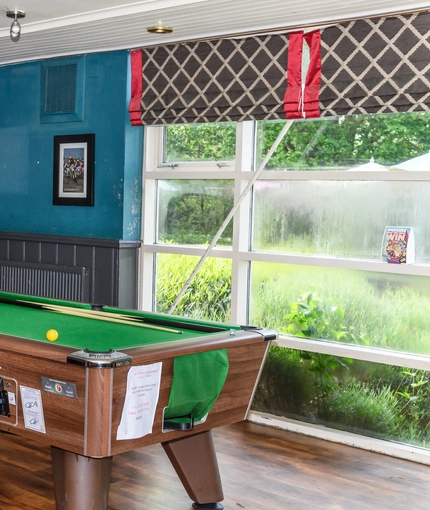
column 87, row 425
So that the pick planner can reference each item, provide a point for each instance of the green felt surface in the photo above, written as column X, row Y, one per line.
column 197, row 378
column 80, row 332
column 173, row 318
column 42, row 300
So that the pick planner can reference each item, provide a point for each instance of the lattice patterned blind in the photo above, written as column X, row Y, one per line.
column 214, row 81
column 374, row 65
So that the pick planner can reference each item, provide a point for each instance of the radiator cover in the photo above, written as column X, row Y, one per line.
column 59, row 282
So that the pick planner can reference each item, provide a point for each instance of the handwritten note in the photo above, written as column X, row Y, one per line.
column 143, row 389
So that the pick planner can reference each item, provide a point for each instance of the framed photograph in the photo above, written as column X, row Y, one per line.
column 74, row 170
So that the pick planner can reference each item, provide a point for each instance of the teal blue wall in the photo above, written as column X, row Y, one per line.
column 26, row 154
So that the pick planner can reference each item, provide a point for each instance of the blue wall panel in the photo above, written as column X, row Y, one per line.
column 26, row 154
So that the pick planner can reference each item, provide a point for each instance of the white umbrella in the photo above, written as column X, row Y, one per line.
column 420, row 164
column 371, row 166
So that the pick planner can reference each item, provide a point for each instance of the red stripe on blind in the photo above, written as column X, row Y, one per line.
column 136, row 87
column 313, row 75
column 301, row 99
column 294, row 76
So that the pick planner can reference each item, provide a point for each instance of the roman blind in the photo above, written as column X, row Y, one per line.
column 376, row 65
column 212, row 81
column 372, row 65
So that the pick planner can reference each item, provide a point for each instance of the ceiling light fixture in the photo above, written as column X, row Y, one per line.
column 160, row 29
column 15, row 28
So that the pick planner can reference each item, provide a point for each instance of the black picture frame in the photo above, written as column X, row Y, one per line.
column 73, row 182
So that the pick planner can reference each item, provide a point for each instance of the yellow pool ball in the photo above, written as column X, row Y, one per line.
column 52, row 335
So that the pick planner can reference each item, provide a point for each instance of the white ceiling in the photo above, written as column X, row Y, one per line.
column 68, row 27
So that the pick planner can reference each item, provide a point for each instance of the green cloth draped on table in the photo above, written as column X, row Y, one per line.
column 197, row 381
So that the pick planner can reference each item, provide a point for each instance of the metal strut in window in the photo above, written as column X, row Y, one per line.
column 169, row 165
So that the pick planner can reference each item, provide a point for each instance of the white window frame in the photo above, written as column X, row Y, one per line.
column 242, row 258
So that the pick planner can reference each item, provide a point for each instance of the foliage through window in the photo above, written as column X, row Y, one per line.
column 191, row 212
column 304, row 256
column 200, row 142
column 346, row 142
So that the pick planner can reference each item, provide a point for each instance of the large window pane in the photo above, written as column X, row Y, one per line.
column 388, row 311
column 200, row 142
column 323, row 217
column 371, row 399
column 192, row 211
column 207, row 297
column 339, row 218
column 344, row 143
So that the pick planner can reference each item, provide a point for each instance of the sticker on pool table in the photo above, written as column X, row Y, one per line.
column 141, row 398
column 11, row 398
column 32, row 409
column 66, row 389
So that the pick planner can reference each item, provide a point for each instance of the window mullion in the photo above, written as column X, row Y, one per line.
column 241, row 230
column 151, row 148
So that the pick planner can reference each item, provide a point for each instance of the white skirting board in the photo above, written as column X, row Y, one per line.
column 398, row 450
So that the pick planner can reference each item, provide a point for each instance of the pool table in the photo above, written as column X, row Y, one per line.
column 71, row 392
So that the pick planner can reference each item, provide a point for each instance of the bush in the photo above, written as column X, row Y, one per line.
column 357, row 408
column 312, row 317
column 283, row 386
column 207, row 297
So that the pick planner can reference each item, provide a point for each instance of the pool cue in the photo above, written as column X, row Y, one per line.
column 204, row 328
column 100, row 313
column 99, row 317
column 121, row 318
column 89, row 314
column 161, row 322
column 169, row 325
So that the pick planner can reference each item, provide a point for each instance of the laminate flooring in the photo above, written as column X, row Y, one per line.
column 262, row 468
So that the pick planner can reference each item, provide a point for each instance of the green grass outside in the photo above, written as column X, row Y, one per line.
column 384, row 311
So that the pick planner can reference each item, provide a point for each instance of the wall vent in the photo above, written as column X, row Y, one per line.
column 62, row 98
column 60, row 88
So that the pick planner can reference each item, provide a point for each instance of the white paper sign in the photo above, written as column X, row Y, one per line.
column 32, row 409
column 143, row 389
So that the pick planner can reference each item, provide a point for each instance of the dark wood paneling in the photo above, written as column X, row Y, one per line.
column 32, row 251
column 67, row 254
column 16, row 250
column 48, row 253
column 4, row 250
column 101, row 256
column 106, row 260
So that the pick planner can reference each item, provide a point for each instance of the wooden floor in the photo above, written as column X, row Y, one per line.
column 262, row 469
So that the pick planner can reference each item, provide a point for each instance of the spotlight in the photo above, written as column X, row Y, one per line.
column 15, row 28
column 160, row 29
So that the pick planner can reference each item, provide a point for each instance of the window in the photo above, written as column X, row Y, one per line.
column 191, row 211
column 200, row 142
column 302, row 254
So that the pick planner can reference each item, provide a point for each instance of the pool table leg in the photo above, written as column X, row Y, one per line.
column 80, row 483
column 195, row 462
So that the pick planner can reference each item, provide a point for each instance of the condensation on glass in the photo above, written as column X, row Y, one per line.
column 190, row 212
column 372, row 309
column 339, row 218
